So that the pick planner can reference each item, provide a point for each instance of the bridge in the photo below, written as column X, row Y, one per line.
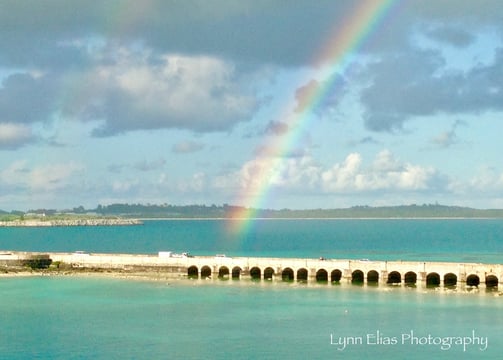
column 279, row 269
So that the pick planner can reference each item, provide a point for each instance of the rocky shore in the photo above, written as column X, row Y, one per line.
column 70, row 222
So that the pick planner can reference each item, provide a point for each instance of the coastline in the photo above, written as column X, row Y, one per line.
column 70, row 222
column 140, row 221
column 323, row 218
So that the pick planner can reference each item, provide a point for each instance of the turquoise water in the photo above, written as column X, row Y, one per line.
column 456, row 240
column 83, row 318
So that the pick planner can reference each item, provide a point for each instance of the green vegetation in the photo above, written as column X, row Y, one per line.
column 51, row 216
column 165, row 211
column 10, row 217
column 39, row 262
column 227, row 211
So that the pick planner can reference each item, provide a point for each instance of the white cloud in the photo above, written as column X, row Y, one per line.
column 487, row 179
column 385, row 173
column 41, row 178
column 343, row 176
column 54, row 176
column 124, row 186
column 14, row 173
column 140, row 91
column 444, row 139
column 449, row 137
column 197, row 183
column 13, row 136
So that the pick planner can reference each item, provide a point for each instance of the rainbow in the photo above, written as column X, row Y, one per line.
column 337, row 53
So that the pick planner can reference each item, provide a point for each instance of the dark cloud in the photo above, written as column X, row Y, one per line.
column 464, row 13
column 33, row 31
column 81, row 43
column 276, row 128
column 121, row 113
column 305, row 93
column 367, row 140
column 318, row 97
column 34, row 34
column 415, row 84
column 451, row 36
column 26, row 98
column 37, row 33
column 272, row 128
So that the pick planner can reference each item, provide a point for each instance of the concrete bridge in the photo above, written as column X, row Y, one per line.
column 282, row 269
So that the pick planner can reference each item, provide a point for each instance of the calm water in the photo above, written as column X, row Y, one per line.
column 81, row 318
column 457, row 240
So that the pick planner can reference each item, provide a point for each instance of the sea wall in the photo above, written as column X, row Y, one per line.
column 70, row 222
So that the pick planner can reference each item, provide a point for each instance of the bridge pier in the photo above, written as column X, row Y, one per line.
column 421, row 278
column 347, row 274
column 383, row 276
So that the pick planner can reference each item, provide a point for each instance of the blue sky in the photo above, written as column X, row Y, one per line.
column 173, row 101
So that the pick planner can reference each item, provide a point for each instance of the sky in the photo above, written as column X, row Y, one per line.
column 270, row 104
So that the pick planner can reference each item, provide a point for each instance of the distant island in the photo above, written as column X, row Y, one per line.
column 124, row 213
column 42, row 222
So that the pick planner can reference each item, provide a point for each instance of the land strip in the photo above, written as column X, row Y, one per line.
column 167, row 265
column 69, row 222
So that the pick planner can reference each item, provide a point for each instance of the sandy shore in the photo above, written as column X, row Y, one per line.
column 142, row 275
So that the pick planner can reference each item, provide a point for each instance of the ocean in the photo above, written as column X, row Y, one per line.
column 107, row 318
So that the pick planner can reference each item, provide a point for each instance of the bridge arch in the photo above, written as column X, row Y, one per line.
column 491, row 281
column 335, row 275
column 287, row 274
column 268, row 273
column 433, row 279
column 205, row 272
column 410, row 278
column 223, row 272
column 322, row 275
column 193, row 272
column 302, row 274
column 357, row 277
column 450, row 279
column 372, row 277
column 236, row 272
column 472, row 280
column 394, row 277
column 255, row 273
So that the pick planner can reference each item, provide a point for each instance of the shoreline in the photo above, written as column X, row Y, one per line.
column 140, row 221
column 320, row 218
column 70, row 222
